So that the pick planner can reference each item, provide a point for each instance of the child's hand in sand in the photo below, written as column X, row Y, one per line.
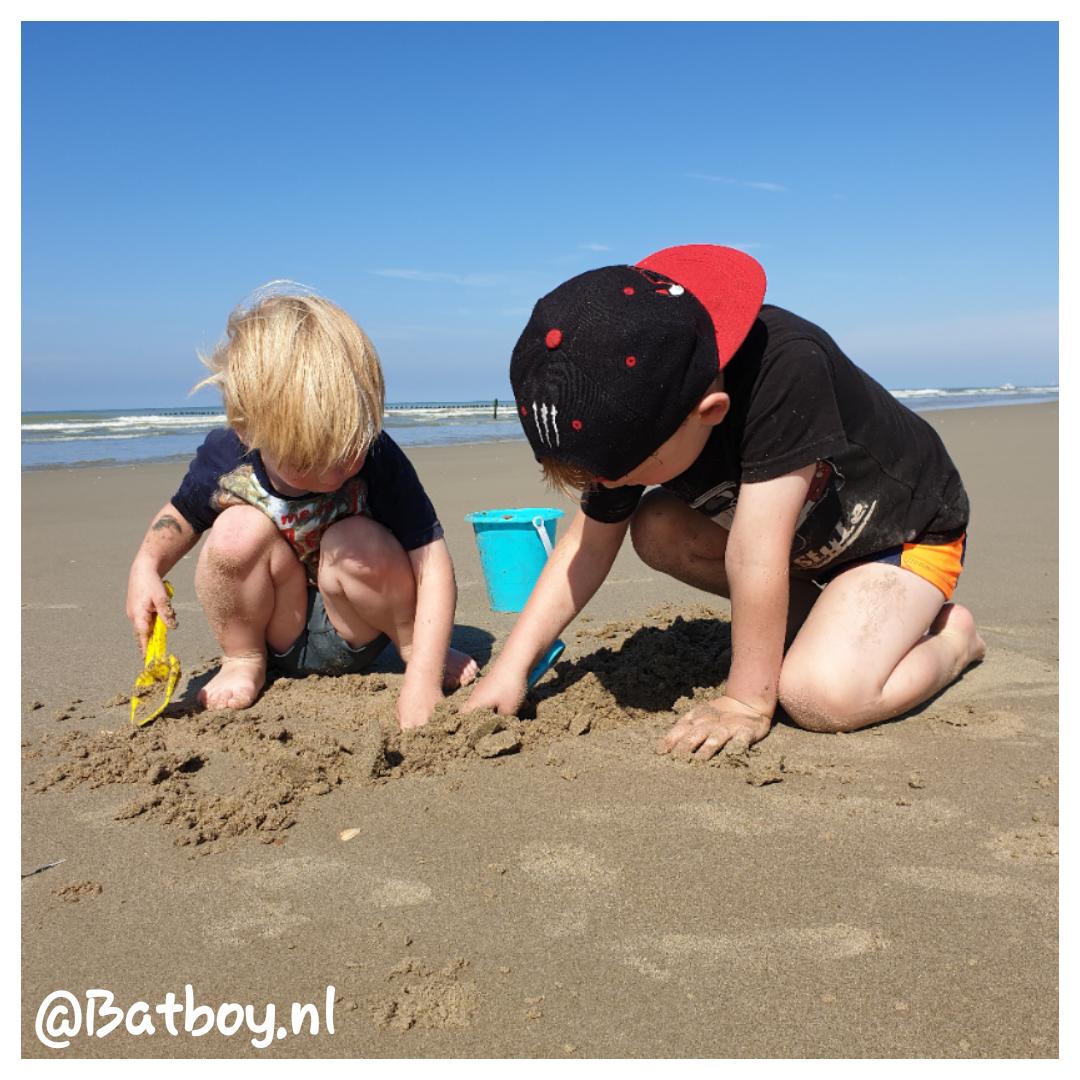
column 712, row 726
column 499, row 692
column 146, row 597
column 415, row 704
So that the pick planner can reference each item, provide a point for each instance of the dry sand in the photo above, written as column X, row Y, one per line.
column 546, row 887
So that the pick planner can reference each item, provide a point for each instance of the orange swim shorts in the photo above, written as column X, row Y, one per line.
column 940, row 564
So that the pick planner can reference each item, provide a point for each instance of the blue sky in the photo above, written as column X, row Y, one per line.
column 898, row 181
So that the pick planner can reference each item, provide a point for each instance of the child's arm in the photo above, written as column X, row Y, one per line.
column 757, row 561
column 436, row 598
column 168, row 539
column 576, row 569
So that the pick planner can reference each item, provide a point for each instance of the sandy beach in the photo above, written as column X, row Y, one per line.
column 553, row 889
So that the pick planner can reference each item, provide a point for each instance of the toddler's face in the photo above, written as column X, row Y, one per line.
column 291, row 481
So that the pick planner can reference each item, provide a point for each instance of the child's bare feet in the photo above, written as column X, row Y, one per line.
column 236, row 685
column 956, row 622
column 461, row 669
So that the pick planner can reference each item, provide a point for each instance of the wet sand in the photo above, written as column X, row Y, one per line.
column 546, row 887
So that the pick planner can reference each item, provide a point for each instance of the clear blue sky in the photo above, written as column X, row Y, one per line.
column 897, row 181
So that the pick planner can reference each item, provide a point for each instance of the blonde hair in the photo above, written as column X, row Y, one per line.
column 299, row 378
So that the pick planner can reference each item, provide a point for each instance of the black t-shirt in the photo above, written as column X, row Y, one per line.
column 884, row 477
column 386, row 488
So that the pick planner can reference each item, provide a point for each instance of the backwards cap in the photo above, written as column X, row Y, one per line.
column 613, row 361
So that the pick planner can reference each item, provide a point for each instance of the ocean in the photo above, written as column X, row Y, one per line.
column 104, row 437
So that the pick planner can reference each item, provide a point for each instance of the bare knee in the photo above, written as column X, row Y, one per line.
column 240, row 537
column 650, row 529
column 660, row 528
column 818, row 703
column 360, row 550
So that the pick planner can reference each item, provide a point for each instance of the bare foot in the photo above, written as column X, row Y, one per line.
column 461, row 669
column 955, row 621
column 236, row 685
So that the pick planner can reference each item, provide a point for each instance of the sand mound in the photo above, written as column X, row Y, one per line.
column 426, row 996
column 218, row 774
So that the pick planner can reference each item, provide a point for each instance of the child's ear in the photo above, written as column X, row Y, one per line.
column 713, row 407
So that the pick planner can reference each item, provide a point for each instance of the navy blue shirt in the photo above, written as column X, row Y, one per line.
column 386, row 488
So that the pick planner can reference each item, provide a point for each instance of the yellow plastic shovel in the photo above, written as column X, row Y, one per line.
column 155, row 684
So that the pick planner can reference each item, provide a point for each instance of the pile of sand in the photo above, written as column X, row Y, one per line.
column 211, row 775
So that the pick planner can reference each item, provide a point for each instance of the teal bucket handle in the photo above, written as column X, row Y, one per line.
column 541, row 531
column 557, row 647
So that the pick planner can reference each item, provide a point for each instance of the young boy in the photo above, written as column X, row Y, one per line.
column 788, row 481
column 322, row 545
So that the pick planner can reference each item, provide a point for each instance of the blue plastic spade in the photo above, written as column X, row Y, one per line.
column 544, row 665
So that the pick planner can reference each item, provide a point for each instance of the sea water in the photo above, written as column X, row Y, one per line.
column 129, row 436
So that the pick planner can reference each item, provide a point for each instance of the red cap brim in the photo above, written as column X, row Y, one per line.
column 729, row 284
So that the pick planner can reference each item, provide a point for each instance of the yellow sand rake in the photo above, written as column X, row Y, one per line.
column 155, row 684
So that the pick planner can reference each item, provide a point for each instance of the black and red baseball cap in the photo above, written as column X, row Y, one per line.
column 614, row 360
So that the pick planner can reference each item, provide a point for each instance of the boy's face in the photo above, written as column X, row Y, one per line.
column 291, row 481
column 675, row 456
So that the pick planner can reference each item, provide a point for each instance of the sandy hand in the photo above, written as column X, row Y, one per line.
column 415, row 705
column 720, row 724
column 494, row 691
column 236, row 685
column 147, row 598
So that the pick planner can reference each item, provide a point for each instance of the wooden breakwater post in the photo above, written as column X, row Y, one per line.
column 495, row 409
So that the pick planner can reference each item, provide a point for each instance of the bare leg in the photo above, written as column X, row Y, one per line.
column 253, row 590
column 675, row 539
column 878, row 642
column 368, row 587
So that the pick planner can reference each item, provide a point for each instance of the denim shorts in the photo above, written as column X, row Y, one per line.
column 321, row 650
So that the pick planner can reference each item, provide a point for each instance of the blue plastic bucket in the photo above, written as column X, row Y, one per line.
column 512, row 551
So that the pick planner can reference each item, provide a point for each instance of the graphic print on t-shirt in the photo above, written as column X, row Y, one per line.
column 822, row 510
column 824, row 502
column 302, row 520
column 718, row 503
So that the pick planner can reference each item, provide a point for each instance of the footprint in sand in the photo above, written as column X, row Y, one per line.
column 573, row 867
column 954, row 880
column 725, row 818
column 712, row 815
column 256, row 918
column 398, row 892
column 567, row 880
column 288, row 871
column 363, row 885
column 696, row 956
column 266, row 917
